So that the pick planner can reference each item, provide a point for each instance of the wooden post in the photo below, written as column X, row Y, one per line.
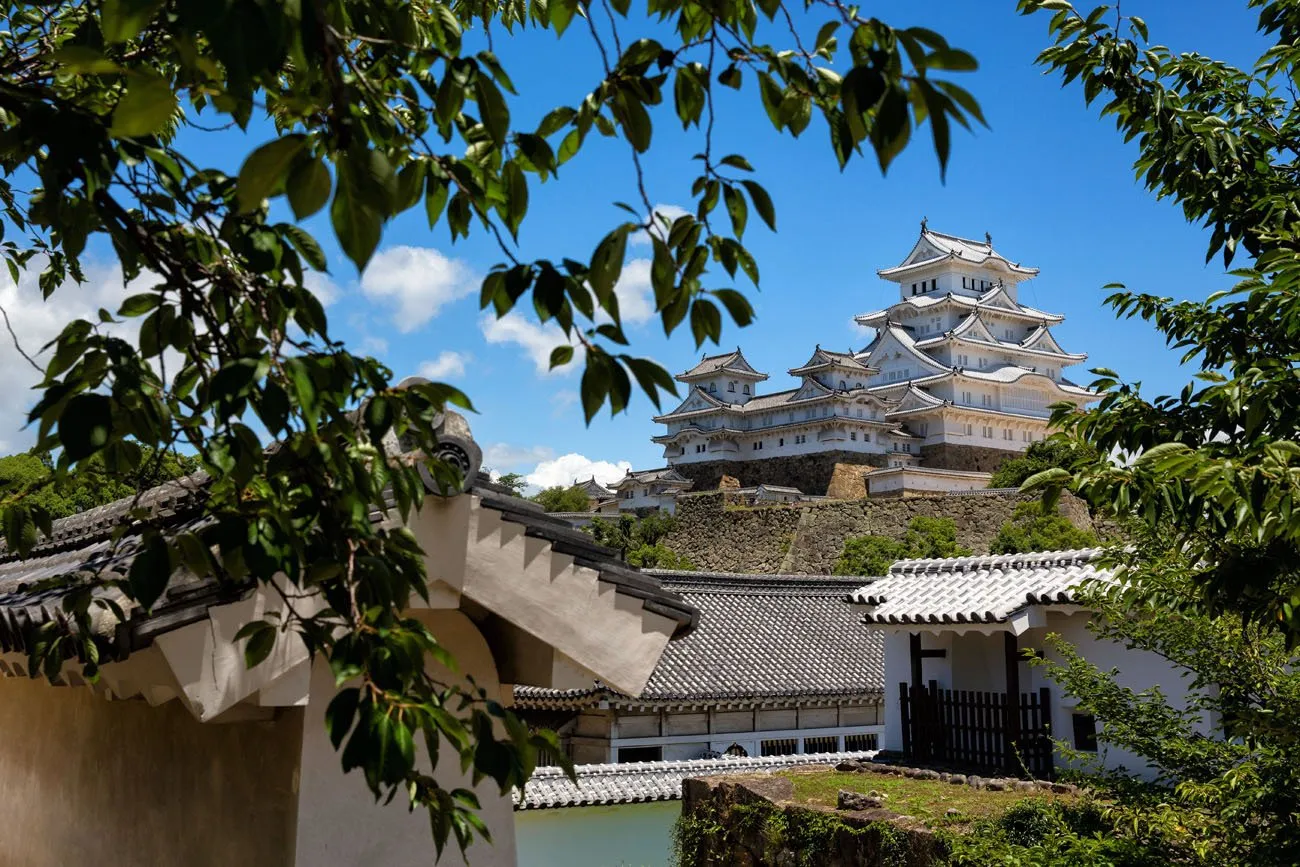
column 1011, row 732
column 904, row 706
column 914, row 640
column 1044, row 733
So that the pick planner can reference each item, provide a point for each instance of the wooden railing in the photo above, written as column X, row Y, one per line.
column 977, row 731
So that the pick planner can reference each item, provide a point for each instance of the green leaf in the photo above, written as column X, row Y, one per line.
column 85, row 425
column 84, row 60
column 772, row 95
column 356, row 224
column 492, row 106
column 762, row 203
column 138, row 305
column 340, row 713
column 146, row 108
column 308, row 187
column 267, row 169
column 121, row 20
column 561, row 355
column 307, row 247
column 150, row 571
column 736, row 208
column 260, row 637
column 607, row 263
column 742, row 312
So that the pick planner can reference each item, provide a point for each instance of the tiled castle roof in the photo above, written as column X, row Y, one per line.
column 32, row 589
column 642, row 782
column 988, row 589
column 758, row 637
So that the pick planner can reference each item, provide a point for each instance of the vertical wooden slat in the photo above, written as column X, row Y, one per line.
column 1044, row 697
column 905, row 711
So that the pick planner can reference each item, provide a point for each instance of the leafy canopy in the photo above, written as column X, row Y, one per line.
column 642, row 541
column 925, row 537
column 1031, row 530
column 1217, row 465
column 1041, row 455
column 362, row 110
column 561, row 499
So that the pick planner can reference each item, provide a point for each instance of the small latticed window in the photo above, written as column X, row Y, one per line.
column 779, row 747
column 859, row 743
column 826, row 744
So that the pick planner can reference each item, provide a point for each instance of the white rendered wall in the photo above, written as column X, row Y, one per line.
column 976, row 661
column 339, row 823
column 625, row 835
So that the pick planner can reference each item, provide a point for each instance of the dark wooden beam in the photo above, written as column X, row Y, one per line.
column 915, row 644
column 1012, row 728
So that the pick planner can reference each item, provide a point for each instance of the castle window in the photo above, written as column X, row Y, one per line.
column 1006, row 433
column 934, row 284
column 713, row 387
column 853, row 436
column 746, row 389
column 844, row 386
column 731, row 386
column 640, row 754
column 988, row 432
column 1085, row 732
column 781, row 441
column 970, row 430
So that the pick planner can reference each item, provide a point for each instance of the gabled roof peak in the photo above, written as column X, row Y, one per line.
column 733, row 363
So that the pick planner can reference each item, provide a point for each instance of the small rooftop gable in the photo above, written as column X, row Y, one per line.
column 730, row 363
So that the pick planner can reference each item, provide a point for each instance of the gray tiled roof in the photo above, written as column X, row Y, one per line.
column 32, row 589
column 733, row 362
column 641, row 782
column 757, row 637
column 976, row 589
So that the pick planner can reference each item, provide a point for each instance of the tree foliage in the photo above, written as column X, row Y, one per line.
column 1218, row 464
column 562, row 499
column 514, row 481
column 641, row 540
column 1041, row 455
column 30, row 477
column 925, row 537
column 1030, row 529
column 119, row 119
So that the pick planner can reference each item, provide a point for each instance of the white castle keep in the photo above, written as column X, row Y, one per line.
column 959, row 376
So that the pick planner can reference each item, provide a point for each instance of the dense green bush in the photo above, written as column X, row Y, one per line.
column 641, row 540
column 1030, row 529
column 925, row 537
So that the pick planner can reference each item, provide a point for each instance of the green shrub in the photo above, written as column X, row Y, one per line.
column 1031, row 530
column 925, row 537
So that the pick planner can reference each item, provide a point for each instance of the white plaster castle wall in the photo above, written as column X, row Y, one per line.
column 625, row 835
column 339, row 823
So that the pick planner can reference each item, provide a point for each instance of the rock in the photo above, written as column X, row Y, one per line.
column 849, row 767
column 927, row 775
column 1025, row 786
column 943, row 778
column 847, row 800
column 952, row 811
column 1063, row 788
column 728, row 482
column 995, row 786
column 957, row 779
column 975, row 782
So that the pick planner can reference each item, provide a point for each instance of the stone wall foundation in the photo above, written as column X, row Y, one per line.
column 811, row 474
column 807, row 538
column 952, row 456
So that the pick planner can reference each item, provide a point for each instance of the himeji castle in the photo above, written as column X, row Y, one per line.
column 959, row 376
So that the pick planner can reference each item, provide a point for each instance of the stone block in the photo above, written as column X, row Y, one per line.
column 847, row 800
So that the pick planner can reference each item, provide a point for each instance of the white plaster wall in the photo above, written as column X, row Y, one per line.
column 1138, row 670
column 626, row 835
column 340, row 825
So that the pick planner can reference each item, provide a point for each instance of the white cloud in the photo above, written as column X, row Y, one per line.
column 636, row 300
column 36, row 322
column 322, row 286
column 447, row 364
column 662, row 213
column 371, row 345
column 566, row 469
column 535, row 339
column 503, row 457
column 416, row 282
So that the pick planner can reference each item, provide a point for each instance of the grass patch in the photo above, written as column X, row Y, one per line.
column 927, row 801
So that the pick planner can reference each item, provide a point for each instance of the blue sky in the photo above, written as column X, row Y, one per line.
column 1049, row 180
